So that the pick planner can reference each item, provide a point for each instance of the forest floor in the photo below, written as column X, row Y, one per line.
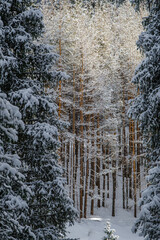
column 93, row 227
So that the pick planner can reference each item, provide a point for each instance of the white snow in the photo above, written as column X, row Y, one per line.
column 93, row 227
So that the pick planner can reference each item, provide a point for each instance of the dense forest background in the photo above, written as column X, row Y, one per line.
column 97, row 48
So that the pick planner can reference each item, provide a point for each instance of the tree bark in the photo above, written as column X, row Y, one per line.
column 138, row 162
column 87, row 172
column 108, row 170
column 82, row 143
column 134, row 168
column 98, row 164
column 130, row 160
column 104, row 174
column 114, row 185
column 92, row 169
column 124, row 146
column 74, row 132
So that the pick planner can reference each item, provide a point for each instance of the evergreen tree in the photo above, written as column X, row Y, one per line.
column 14, row 193
column 29, row 82
column 110, row 233
column 146, row 109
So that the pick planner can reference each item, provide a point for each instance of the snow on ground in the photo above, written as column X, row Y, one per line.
column 93, row 227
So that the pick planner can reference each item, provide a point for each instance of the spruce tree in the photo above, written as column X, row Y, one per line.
column 14, row 193
column 30, row 82
column 146, row 109
column 110, row 233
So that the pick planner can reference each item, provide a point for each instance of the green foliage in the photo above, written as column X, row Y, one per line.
column 146, row 109
column 29, row 82
column 110, row 233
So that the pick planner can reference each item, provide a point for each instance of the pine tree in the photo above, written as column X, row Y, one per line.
column 146, row 109
column 14, row 193
column 149, row 218
column 110, row 233
column 30, row 82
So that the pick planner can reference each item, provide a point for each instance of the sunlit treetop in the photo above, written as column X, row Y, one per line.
column 148, row 3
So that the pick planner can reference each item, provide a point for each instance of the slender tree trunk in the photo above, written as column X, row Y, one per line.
column 127, row 173
column 130, row 160
column 138, row 162
column 108, row 170
column 68, row 170
column 60, row 90
column 76, row 169
column 70, row 165
column 69, row 159
column 78, row 175
column 98, row 164
column 87, row 172
column 92, row 169
column 139, row 147
column 124, row 147
column 104, row 167
column 134, row 169
column 74, row 132
column 120, row 148
column 114, row 185
column 82, row 143
column 60, row 82
column 66, row 161
column 127, row 183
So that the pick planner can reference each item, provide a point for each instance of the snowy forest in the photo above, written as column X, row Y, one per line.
column 79, row 119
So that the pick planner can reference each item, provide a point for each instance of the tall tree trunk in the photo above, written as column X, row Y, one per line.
column 127, row 184
column 138, row 162
column 98, row 163
column 82, row 143
column 114, row 184
column 127, row 172
column 68, row 165
column 108, row 170
column 134, row 169
column 87, row 172
column 92, row 168
column 139, row 146
column 60, row 90
column 74, row 132
column 76, row 169
column 124, row 146
column 104, row 167
column 130, row 159
column 120, row 148
column 60, row 68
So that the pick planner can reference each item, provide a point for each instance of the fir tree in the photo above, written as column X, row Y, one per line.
column 146, row 109
column 29, row 83
column 110, row 233
column 14, row 193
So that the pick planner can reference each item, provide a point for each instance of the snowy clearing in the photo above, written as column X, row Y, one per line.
column 93, row 227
